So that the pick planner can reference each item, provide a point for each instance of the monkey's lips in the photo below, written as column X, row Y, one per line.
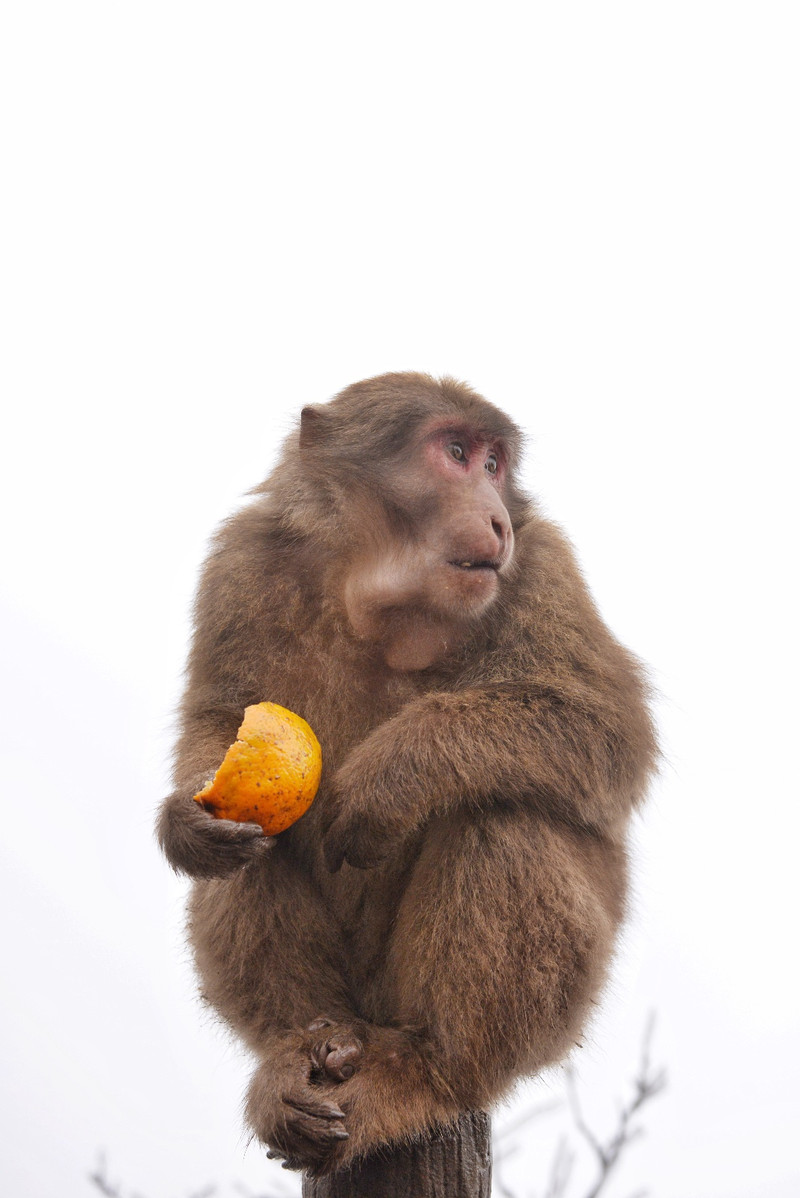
column 476, row 579
column 489, row 566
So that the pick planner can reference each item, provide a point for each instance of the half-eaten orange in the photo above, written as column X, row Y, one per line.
column 270, row 774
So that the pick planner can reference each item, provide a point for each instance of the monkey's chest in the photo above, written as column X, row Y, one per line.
column 341, row 705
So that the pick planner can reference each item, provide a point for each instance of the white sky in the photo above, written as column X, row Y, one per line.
column 214, row 213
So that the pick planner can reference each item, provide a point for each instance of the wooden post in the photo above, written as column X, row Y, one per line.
column 453, row 1162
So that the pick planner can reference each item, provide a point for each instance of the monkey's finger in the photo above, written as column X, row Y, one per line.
column 318, row 1108
column 334, row 854
column 318, row 1132
column 360, row 846
column 334, row 859
column 328, row 818
column 205, row 847
column 306, row 1140
column 311, row 1141
column 287, row 1162
column 256, row 838
column 230, row 829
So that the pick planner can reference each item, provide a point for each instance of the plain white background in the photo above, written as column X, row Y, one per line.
column 213, row 214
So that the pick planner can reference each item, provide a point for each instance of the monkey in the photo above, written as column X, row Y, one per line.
column 440, row 921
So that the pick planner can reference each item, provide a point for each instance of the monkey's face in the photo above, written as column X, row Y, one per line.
column 430, row 563
column 465, row 532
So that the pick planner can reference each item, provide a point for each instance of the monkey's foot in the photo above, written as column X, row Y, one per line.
column 337, row 1054
column 299, row 1125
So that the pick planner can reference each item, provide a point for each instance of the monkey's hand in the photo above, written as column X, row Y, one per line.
column 365, row 819
column 197, row 844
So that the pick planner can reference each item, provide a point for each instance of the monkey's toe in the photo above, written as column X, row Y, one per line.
column 308, row 1134
column 337, row 1056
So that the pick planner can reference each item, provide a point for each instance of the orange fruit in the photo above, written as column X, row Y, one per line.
column 270, row 774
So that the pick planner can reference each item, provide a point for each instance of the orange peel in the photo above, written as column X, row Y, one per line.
column 271, row 772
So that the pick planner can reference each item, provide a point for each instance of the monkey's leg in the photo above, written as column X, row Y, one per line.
column 269, row 955
column 500, row 942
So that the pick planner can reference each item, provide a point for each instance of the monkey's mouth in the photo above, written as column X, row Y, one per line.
column 485, row 564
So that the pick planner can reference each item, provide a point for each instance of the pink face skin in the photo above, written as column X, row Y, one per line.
column 469, row 474
column 418, row 596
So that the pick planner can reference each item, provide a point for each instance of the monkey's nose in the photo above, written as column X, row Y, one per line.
column 505, row 539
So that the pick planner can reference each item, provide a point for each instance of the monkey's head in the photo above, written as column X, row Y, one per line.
column 410, row 481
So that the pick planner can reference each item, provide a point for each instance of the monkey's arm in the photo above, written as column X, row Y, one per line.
column 559, row 720
column 228, row 668
column 578, row 762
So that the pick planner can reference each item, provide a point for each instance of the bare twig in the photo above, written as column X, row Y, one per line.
column 560, row 1171
column 99, row 1178
column 248, row 1193
column 647, row 1084
column 501, row 1188
column 535, row 1113
column 502, row 1150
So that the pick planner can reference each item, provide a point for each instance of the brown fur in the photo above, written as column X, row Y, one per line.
column 449, row 903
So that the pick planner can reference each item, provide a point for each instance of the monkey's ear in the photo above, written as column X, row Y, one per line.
column 313, row 426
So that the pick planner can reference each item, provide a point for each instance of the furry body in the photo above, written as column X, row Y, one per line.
column 481, row 758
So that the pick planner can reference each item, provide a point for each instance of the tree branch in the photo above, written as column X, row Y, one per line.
column 647, row 1084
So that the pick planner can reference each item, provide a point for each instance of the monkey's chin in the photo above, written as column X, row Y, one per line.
column 418, row 627
column 468, row 591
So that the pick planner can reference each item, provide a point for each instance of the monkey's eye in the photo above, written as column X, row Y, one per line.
column 456, row 450
column 491, row 464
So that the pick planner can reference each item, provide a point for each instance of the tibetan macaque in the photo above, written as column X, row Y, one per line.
column 437, row 925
